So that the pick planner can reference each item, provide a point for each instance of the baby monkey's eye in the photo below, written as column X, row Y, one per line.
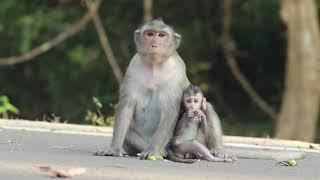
column 196, row 100
column 188, row 100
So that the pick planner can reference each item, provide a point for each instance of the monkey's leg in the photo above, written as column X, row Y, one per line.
column 197, row 148
column 134, row 143
column 177, row 157
column 161, row 137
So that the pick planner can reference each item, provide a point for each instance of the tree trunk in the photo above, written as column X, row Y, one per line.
column 147, row 10
column 299, row 111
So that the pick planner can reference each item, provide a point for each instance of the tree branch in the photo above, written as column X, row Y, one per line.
column 72, row 30
column 232, row 63
column 104, row 40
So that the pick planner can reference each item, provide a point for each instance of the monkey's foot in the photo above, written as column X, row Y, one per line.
column 220, row 153
column 109, row 152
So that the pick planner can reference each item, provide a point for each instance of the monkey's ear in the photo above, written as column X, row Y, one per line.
column 177, row 39
column 136, row 35
column 204, row 103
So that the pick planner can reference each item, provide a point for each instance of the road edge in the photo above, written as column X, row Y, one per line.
column 233, row 141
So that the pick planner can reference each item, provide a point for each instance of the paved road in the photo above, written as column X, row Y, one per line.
column 22, row 152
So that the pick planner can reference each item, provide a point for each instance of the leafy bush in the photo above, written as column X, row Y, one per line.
column 6, row 107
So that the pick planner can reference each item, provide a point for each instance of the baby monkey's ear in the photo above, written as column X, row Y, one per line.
column 204, row 103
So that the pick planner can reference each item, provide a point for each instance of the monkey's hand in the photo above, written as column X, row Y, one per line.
column 110, row 152
column 199, row 114
column 190, row 114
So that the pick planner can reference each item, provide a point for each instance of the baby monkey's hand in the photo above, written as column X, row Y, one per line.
column 190, row 113
column 197, row 114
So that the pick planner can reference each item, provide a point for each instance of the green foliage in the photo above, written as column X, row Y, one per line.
column 5, row 6
column 6, row 107
column 97, row 102
column 251, row 128
column 97, row 118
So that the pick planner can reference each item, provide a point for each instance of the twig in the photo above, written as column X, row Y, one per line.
column 104, row 40
column 231, row 61
column 73, row 29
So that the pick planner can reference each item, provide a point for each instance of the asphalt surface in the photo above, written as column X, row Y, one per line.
column 22, row 152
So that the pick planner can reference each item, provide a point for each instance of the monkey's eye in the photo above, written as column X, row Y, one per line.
column 188, row 100
column 162, row 35
column 150, row 34
column 196, row 100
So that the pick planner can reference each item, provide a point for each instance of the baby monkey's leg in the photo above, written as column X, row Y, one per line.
column 197, row 148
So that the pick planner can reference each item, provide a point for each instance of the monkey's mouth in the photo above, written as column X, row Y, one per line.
column 154, row 49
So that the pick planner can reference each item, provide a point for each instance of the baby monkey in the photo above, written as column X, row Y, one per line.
column 192, row 119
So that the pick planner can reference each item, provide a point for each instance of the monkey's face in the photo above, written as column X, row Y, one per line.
column 192, row 103
column 157, row 41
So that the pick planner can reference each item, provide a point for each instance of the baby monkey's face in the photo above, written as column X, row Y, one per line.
column 192, row 103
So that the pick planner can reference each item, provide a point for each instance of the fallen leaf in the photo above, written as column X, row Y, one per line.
column 61, row 173
column 76, row 171
column 291, row 162
column 44, row 168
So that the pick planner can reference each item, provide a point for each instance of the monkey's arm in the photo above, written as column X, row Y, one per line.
column 181, row 124
column 204, row 125
column 123, row 116
column 215, row 130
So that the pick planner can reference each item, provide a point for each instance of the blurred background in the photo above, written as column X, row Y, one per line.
column 257, row 61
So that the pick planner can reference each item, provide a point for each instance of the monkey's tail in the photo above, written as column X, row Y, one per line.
column 172, row 156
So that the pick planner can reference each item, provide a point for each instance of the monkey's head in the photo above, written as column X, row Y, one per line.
column 155, row 38
column 193, row 99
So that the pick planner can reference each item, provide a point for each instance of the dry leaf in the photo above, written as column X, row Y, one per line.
column 54, row 172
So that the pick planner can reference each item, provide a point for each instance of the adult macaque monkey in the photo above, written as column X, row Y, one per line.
column 150, row 94
column 193, row 134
